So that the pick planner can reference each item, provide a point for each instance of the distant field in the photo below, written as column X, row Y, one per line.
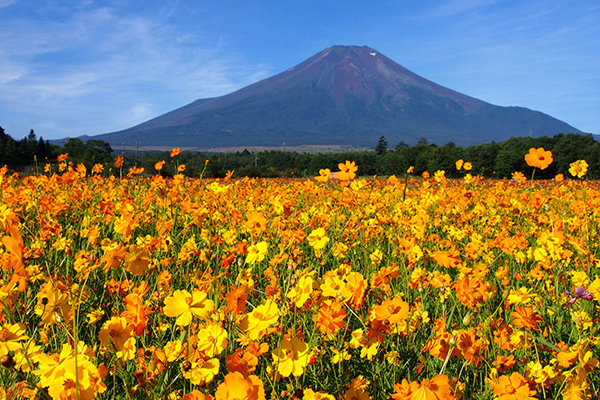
column 299, row 149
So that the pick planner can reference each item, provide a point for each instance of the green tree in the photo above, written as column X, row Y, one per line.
column 382, row 145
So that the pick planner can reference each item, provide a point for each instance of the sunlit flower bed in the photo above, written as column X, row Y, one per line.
column 328, row 288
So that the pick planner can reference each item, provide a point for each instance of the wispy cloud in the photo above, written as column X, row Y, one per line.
column 455, row 7
column 140, row 63
column 6, row 3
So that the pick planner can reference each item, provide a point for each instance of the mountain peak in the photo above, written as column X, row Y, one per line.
column 343, row 95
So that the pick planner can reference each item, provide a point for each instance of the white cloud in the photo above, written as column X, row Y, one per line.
column 6, row 3
column 455, row 7
column 100, row 61
column 136, row 114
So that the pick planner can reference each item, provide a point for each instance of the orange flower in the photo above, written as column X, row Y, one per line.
column 63, row 157
column 238, row 387
column 119, row 161
column 196, row 395
column 471, row 291
column 14, row 247
column 437, row 388
column 256, row 222
column 448, row 259
column 236, row 299
column 159, row 165
column 384, row 276
column 471, row 346
column 538, row 158
column 513, row 387
column 525, row 317
column 331, row 317
column 394, row 311
column 347, row 171
column 246, row 360
column 175, row 152
column 503, row 363
column 136, row 313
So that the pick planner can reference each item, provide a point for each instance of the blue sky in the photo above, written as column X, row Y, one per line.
column 69, row 68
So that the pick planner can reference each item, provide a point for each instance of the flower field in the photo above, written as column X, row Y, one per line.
column 330, row 288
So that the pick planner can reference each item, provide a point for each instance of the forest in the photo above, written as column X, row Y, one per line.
column 495, row 159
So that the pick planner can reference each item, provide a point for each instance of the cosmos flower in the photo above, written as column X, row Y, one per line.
column 291, row 358
column 579, row 293
column 578, row 168
column 539, row 158
column 185, row 306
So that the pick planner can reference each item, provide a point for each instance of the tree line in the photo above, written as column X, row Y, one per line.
column 490, row 160
column 495, row 159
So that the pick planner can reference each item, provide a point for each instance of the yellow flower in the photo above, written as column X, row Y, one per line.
column 347, row 171
column 323, row 175
column 10, row 337
column 581, row 319
column 212, row 340
column 115, row 332
column 539, row 373
column 440, row 176
column 519, row 177
column 97, row 168
column 94, row 316
column 318, row 238
column 291, row 358
column 376, row 257
column 261, row 318
column 136, row 260
column 257, row 252
column 340, row 250
column 520, row 296
column 578, row 168
column 67, row 377
column 467, row 166
column 52, row 305
column 459, row 164
column 339, row 355
column 302, row 291
column 310, row 394
column 202, row 372
column 128, row 351
column 183, row 305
